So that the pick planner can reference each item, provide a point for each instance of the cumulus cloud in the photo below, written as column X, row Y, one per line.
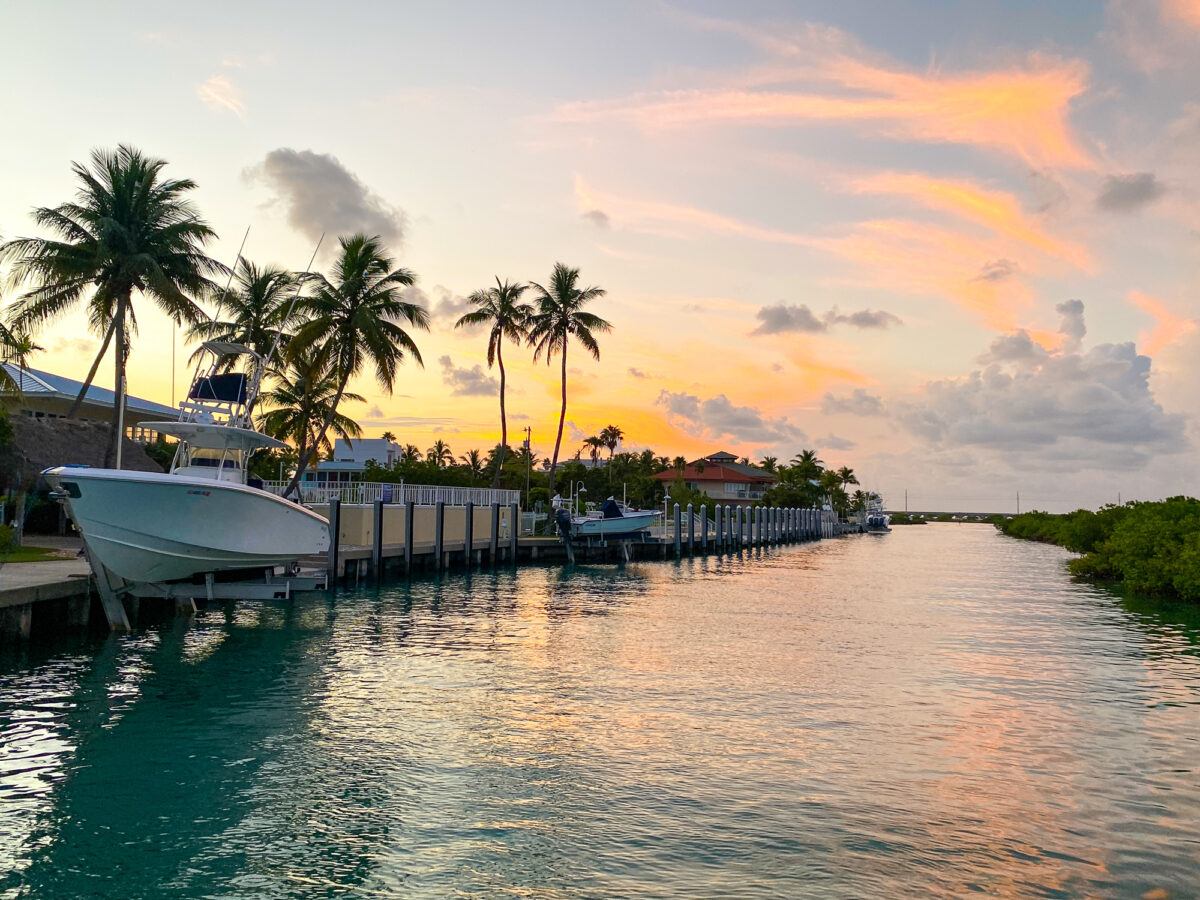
column 781, row 318
column 637, row 373
column 220, row 93
column 833, row 442
column 1072, row 328
column 597, row 217
column 322, row 196
column 1128, row 193
column 1066, row 409
column 857, row 403
column 472, row 382
column 718, row 417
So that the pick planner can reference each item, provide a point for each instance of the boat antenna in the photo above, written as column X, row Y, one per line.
column 295, row 296
column 266, row 361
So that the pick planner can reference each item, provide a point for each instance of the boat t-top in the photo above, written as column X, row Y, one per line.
column 206, row 515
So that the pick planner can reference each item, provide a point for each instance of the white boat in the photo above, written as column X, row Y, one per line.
column 629, row 522
column 619, row 521
column 204, row 516
column 875, row 520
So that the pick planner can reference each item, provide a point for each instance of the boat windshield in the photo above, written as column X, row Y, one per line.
column 200, row 462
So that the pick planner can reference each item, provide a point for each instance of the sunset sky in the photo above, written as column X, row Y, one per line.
column 951, row 245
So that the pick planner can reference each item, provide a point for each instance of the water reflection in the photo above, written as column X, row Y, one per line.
column 858, row 718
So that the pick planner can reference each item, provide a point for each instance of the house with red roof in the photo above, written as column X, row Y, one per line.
column 724, row 479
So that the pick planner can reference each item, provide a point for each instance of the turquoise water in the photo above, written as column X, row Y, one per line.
column 939, row 710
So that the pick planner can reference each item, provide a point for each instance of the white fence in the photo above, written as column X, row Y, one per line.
column 420, row 494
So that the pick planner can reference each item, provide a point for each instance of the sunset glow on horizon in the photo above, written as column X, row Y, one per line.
column 838, row 226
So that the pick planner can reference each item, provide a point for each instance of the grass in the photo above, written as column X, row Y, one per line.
column 31, row 554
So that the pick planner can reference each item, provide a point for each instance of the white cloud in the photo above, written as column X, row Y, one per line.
column 717, row 417
column 857, row 403
column 322, row 196
column 472, row 382
column 1066, row 409
column 219, row 92
column 781, row 317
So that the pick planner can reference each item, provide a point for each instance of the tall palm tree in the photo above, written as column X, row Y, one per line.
column 611, row 436
column 388, row 436
column 507, row 316
column 411, row 453
column 594, row 445
column 439, row 454
column 679, row 463
column 846, row 476
column 769, row 463
column 128, row 231
column 354, row 319
column 301, row 397
column 472, row 461
column 560, row 315
column 254, row 312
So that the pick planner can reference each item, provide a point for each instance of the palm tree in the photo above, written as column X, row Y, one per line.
column 354, row 319
column 439, row 454
column 808, row 466
column 15, row 346
column 472, row 461
column 302, row 396
column 770, row 463
column 502, row 309
column 128, row 231
column 560, row 315
column 679, row 463
column 594, row 445
column 389, row 437
column 255, row 311
column 846, row 476
column 411, row 453
column 611, row 436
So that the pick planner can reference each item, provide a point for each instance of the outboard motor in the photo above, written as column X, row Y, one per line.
column 562, row 518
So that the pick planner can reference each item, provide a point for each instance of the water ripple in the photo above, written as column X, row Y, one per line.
column 940, row 711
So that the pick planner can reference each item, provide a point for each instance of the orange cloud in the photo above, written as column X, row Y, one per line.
column 1186, row 12
column 666, row 218
column 1168, row 327
column 996, row 210
column 928, row 260
column 895, row 255
column 1021, row 111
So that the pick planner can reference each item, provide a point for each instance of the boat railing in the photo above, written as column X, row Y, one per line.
column 419, row 494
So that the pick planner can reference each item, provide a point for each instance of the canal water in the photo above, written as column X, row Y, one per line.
column 940, row 710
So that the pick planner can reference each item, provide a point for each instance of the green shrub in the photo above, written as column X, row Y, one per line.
column 1152, row 548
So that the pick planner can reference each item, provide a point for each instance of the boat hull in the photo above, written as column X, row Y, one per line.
column 630, row 523
column 152, row 527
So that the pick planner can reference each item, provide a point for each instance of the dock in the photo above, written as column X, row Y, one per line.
column 369, row 543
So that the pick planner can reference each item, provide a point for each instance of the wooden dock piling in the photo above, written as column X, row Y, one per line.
column 335, row 529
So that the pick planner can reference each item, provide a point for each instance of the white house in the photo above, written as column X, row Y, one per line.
column 350, row 459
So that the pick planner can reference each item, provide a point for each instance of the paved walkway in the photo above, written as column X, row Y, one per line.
column 25, row 582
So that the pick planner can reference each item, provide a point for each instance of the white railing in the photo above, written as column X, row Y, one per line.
column 420, row 494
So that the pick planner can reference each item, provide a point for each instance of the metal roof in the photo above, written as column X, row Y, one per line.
column 36, row 381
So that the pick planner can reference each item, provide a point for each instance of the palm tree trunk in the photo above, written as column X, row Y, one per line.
column 119, row 383
column 503, row 419
column 562, row 416
column 302, row 463
column 87, row 382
